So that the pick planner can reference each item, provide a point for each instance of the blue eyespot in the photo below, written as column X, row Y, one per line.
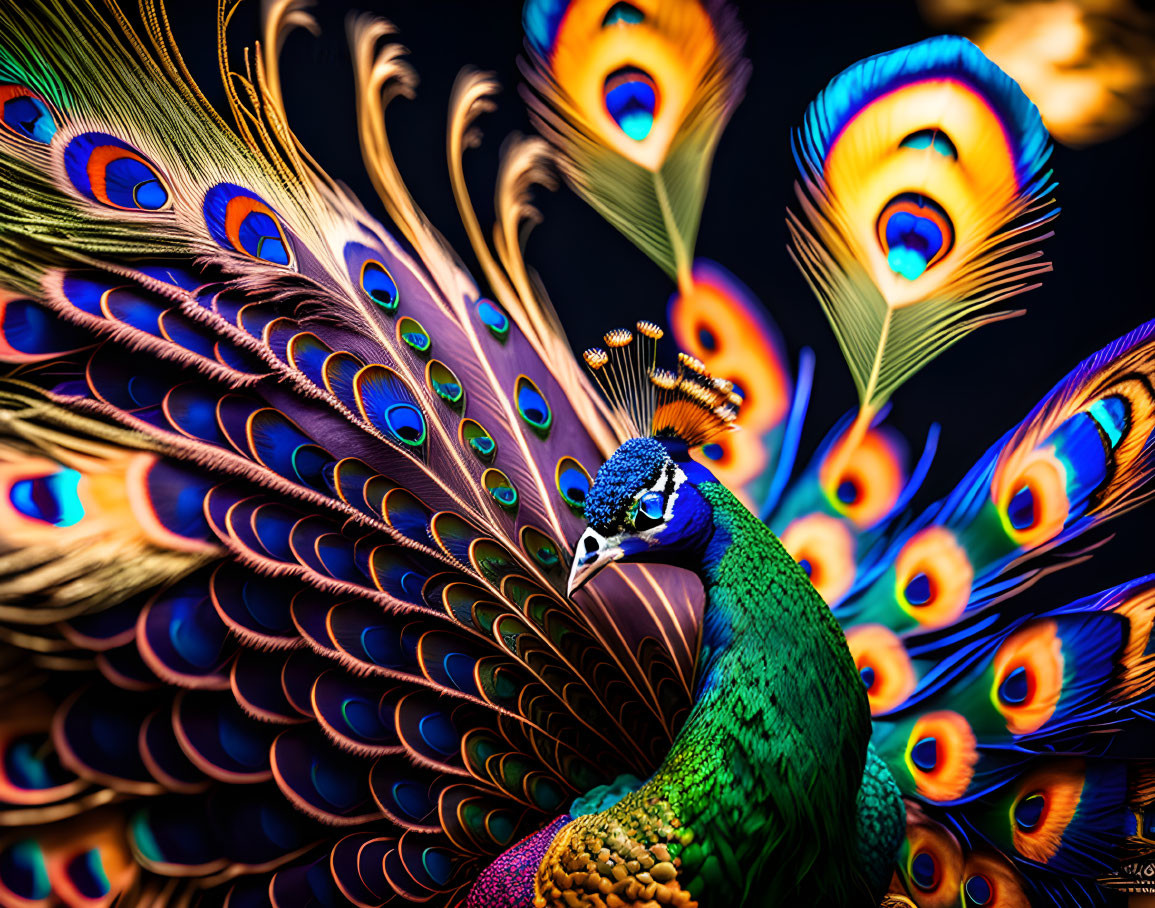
column 86, row 871
column 1015, row 687
column 1029, row 811
column 867, row 675
column 52, row 499
column 1021, row 510
column 924, row 754
column 532, row 406
column 924, row 870
column 26, row 114
column 625, row 13
column 412, row 333
column 847, row 491
column 378, row 283
column 573, row 483
column 978, row 890
column 631, row 98
column 480, row 442
column 919, row 591
column 499, row 486
column 406, row 422
column 493, row 318
column 712, row 451
column 934, row 139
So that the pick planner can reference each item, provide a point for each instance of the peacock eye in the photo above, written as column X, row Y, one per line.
column 649, row 511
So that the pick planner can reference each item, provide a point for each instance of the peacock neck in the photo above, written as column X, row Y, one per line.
column 779, row 728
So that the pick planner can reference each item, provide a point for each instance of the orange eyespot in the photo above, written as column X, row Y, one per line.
column 989, row 881
column 931, row 861
column 941, row 755
column 933, row 577
column 1032, row 500
column 824, row 546
column 1028, row 677
column 883, row 664
column 865, row 483
column 718, row 322
column 1045, row 806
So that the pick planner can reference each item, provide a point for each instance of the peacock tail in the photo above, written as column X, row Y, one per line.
column 293, row 510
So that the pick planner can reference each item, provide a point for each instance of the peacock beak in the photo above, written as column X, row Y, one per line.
column 592, row 553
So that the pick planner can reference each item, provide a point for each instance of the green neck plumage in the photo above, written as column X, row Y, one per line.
column 776, row 740
column 758, row 801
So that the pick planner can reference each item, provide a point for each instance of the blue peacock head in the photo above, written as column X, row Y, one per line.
column 644, row 504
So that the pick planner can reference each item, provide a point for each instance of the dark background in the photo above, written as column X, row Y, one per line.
column 1102, row 255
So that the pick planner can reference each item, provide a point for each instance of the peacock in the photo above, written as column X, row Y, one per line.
column 330, row 576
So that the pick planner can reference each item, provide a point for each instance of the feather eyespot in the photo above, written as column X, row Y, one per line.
column 444, row 382
column 379, row 285
column 532, row 405
column 1028, row 677
column 1033, row 503
column 573, row 483
column 941, row 755
column 914, row 232
column 933, row 139
column 933, row 577
column 1044, row 807
column 385, row 401
column 240, row 220
column 109, row 171
column 413, row 334
column 52, row 498
column 631, row 99
column 479, row 441
column 26, row 114
column 825, row 546
column 882, row 662
column 493, row 318
column 622, row 13
column 869, row 480
column 500, row 488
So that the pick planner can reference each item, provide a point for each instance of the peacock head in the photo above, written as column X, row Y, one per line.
column 645, row 503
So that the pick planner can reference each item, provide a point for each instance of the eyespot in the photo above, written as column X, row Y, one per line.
column 479, row 441
column 941, row 755
column 934, row 139
column 931, row 860
column 827, row 546
column 882, row 662
column 379, row 285
column 26, row 114
column 411, row 332
column 445, row 384
column 500, row 488
column 532, row 405
column 933, row 577
column 870, row 480
column 493, row 318
column 1033, row 501
column 1044, row 807
column 573, row 483
column 631, row 99
column 86, row 872
column 623, row 13
column 914, row 233
column 541, row 548
column 385, row 401
column 23, row 871
column 111, row 172
column 1028, row 669
column 240, row 220
column 52, row 498
column 648, row 511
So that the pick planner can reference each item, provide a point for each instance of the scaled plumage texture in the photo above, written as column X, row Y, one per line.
column 327, row 578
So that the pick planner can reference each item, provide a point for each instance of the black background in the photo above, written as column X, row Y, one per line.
column 1100, row 288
